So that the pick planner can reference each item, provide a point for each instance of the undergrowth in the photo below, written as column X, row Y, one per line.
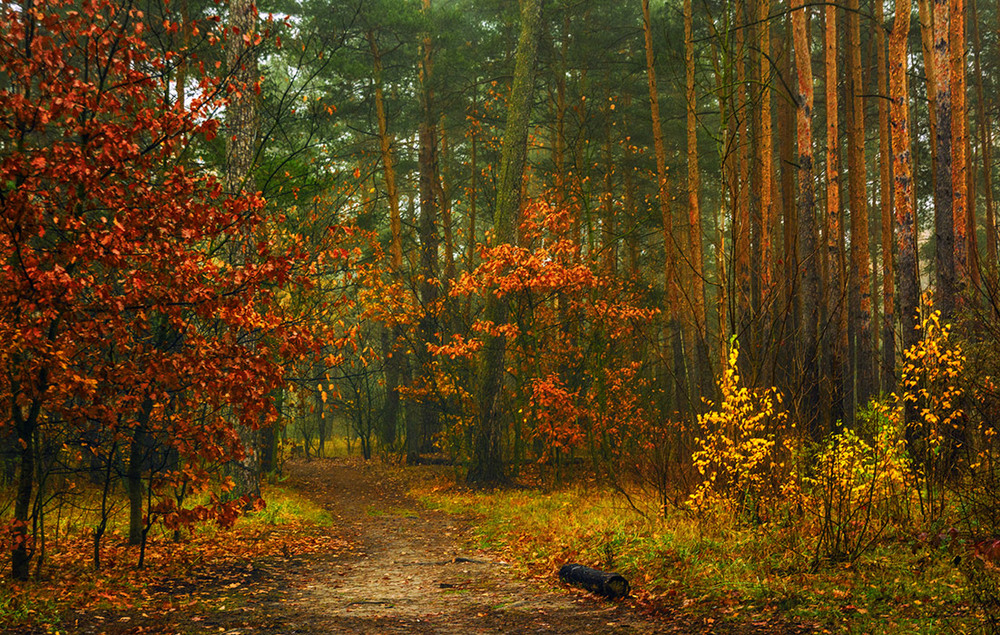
column 67, row 585
column 742, row 573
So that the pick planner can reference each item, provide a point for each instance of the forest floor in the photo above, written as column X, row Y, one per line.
column 386, row 564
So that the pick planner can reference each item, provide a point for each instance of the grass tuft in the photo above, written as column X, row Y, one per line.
column 742, row 573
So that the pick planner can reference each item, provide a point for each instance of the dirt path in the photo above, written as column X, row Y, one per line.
column 387, row 565
column 414, row 572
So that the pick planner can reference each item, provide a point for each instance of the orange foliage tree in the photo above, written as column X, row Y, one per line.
column 124, row 329
column 563, row 381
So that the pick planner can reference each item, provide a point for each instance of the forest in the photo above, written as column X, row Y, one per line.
column 731, row 261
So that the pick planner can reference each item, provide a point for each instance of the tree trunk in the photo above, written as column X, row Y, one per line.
column 959, row 141
column 243, row 126
column 765, row 254
column 487, row 466
column 944, row 219
column 986, row 151
column 385, row 148
column 836, row 329
column 791, row 300
column 888, row 373
column 745, row 310
column 702, row 375
column 861, row 322
column 138, row 458
column 765, row 147
column 26, row 427
column 443, row 192
column 559, row 143
column 808, row 254
column 390, row 336
column 429, row 243
column 927, row 49
column 663, row 196
column 902, row 170
column 241, row 113
column 609, row 243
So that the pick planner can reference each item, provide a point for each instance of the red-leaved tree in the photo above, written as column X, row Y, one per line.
column 122, row 325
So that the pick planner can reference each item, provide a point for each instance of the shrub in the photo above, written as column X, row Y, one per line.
column 744, row 454
column 860, row 486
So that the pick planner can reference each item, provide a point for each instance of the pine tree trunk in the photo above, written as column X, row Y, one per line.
column 442, row 192
column 959, row 143
column 927, row 49
column 390, row 336
column 902, row 170
column 986, row 149
column 663, row 195
column 765, row 147
column 702, row 372
column 609, row 243
column 808, row 254
column 944, row 219
column 790, row 250
column 836, row 330
column 429, row 244
column 243, row 126
column 746, row 311
column 861, row 322
column 888, row 371
column 487, row 465
column 385, row 149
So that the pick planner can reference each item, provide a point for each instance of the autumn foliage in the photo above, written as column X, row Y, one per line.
column 132, row 339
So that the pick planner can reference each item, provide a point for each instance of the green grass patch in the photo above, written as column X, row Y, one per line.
column 742, row 573
column 285, row 506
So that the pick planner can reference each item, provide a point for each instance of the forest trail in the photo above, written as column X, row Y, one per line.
column 412, row 570
column 385, row 566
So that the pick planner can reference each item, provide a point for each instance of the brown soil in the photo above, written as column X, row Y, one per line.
column 392, row 567
column 414, row 572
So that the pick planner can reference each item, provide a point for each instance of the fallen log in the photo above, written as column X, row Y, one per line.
column 610, row 585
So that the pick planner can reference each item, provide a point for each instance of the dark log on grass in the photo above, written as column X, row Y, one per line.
column 603, row 583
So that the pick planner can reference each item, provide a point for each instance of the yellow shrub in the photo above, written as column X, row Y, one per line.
column 743, row 453
column 932, row 395
column 859, row 486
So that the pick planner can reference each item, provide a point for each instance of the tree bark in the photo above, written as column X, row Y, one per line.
column 944, row 219
column 746, row 311
column 385, row 149
column 702, row 374
column 26, row 428
column 241, row 113
column 487, row 466
column 429, row 244
column 861, row 322
column 902, row 169
column 808, row 254
column 959, row 142
column 243, row 126
column 663, row 196
column 986, row 152
column 836, row 328
column 791, row 300
column 888, row 370
column 139, row 449
column 765, row 147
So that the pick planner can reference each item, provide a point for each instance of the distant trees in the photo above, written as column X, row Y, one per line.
column 770, row 263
